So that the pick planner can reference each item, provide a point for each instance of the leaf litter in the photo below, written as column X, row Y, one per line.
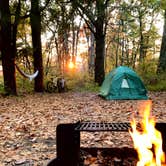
column 28, row 123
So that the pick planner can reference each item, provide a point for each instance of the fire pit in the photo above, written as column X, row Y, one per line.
column 68, row 142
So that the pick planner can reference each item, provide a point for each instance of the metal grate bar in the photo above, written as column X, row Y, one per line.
column 103, row 126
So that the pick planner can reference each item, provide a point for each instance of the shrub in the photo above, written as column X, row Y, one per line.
column 81, row 82
column 153, row 81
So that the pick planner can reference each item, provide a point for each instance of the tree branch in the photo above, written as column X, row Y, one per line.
column 44, row 7
column 87, row 22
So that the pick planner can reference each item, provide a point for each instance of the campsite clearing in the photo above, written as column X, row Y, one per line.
column 28, row 123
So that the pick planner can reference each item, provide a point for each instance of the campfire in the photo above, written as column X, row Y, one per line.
column 147, row 139
column 149, row 143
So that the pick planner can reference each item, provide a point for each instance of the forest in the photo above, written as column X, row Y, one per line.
column 92, row 37
column 55, row 58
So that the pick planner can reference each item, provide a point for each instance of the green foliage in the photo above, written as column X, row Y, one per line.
column 163, row 4
column 160, row 84
column 81, row 82
column 147, row 68
column 1, row 85
column 152, row 81
column 24, row 85
column 2, row 89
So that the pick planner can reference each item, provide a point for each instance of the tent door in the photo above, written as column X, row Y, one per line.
column 124, row 84
column 125, row 88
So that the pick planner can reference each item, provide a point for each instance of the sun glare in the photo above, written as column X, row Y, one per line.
column 71, row 65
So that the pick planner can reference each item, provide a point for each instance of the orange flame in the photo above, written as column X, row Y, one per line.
column 148, row 140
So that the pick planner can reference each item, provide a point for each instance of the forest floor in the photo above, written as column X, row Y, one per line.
column 28, row 123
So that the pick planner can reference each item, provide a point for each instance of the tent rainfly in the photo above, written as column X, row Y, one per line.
column 123, row 83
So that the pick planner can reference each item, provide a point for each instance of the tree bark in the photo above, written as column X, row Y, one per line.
column 35, row 19
column 99, row 61
column 8, row 58
column 162, row 59
column 141, row 58
column 14, row 28
column 100, row 42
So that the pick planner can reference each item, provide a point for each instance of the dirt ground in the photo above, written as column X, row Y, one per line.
column 28, row 123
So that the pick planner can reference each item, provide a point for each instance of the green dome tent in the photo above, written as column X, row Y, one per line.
column 123, row 83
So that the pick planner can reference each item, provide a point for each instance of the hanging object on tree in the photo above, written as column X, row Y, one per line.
column 30, row 76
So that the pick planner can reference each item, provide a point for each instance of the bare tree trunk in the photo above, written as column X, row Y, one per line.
column 100, row 27
column 77, row 38
column 92, row 54
column 117, row 48
column 73, row 42
column 142, row 56
column 99, row 61
column 36, row 42
column 8, row 58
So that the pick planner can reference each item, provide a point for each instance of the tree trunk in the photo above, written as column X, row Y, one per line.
column 36, row 42
column 141, row 58
column 8, row 58
column 14, row 29
column 0, row 33
column 99, row 61
column 100, row 42
column 92, row 54
column 162, row 59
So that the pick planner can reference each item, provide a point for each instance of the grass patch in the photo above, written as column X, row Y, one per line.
column 154, row 82
column 24, row 85
column 157, row 83
column 81, row 82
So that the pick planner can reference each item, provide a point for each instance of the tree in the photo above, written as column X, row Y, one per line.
column 94, row 14
column 35, row 19
column 63, row 35
column 133, row 34
column 143, row 13
column 59, row 21
column 162, row 59
column 8, row 57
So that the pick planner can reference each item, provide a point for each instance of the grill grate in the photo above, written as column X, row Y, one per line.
column 102, row 126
